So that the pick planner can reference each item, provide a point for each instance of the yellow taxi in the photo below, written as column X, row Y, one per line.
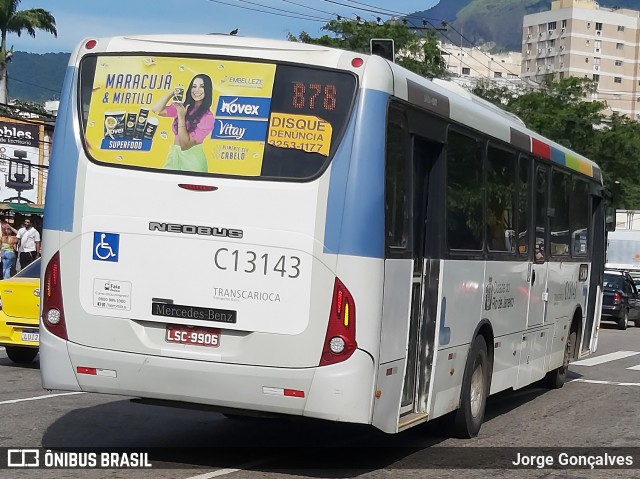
column 19, row 312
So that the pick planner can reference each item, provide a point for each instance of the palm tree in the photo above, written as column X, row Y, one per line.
column 15, row 21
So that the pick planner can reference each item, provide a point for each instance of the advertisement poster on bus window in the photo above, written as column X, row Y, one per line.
column 174, row 113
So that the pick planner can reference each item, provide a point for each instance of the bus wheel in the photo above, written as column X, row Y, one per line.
column 475, row 389
column 555, row 379
column 21, row 355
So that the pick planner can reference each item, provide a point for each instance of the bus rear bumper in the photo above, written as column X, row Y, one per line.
column 340, row 392
column 56, row 369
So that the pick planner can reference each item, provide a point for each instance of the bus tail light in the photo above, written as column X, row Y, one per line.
column 52, row 309
column 617, row 298
column 340, row 341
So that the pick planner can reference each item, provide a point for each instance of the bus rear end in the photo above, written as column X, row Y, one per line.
column 204, row 280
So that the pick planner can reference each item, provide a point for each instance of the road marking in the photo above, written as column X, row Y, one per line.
column 224, row 472
column 608, row 383
column 46, row 396
column 635, row 368
column 605, row 358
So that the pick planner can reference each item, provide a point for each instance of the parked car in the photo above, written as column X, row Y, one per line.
column 19, row 311
column 620, row 302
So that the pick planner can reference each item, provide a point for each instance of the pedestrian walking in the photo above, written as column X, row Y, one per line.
column 29, row 243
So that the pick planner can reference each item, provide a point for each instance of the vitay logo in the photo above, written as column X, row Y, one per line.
column 245, row 130
column 227, row 129
column 243, row 107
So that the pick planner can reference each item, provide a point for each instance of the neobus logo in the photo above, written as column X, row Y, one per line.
column 195, row 230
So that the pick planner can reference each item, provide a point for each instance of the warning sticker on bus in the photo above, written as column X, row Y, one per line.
column 302, row 132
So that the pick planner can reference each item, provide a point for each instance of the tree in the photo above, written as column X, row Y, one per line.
column 416, row 51
column 617, row 151
column 16, row 21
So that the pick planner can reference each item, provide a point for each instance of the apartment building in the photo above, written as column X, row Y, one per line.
column 581, row 38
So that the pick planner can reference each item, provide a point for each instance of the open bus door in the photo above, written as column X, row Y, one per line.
column 408, row 323
column 603, row 220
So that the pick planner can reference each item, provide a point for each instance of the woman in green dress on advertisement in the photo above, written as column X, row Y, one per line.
column 193, row 122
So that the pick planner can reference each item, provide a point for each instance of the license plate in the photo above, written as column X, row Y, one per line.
column 30, row 335
column 193, row 335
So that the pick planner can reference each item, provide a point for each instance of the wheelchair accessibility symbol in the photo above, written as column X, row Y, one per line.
column 106, row 246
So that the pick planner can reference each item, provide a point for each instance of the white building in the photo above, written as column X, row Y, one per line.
column 471, row 65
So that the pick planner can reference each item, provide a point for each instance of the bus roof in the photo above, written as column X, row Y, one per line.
column 463, row 106
column 468, row 109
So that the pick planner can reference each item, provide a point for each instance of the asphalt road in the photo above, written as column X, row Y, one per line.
column 597, row 411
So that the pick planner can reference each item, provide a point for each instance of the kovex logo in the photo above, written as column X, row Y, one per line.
column 106, row 246
column 243, row 107
column 245, row 130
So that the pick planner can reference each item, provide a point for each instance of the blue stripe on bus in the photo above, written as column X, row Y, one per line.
column 355, row 208
column 557, row 156
column 63, row 167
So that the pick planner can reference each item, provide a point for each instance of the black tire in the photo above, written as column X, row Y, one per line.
column 21, row 355
column 555, row 379
column 469, row 417
column 636, row 323
column 623, row 322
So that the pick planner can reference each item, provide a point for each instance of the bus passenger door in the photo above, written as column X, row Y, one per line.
column 411, row 275
column 533, row 345
column 597, row 252
column 536, row 313
column 424, row 286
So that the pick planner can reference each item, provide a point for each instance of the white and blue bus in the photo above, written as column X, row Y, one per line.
column 267, row 226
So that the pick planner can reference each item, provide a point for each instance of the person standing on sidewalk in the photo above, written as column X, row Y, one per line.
column 29, row 246
column 8, row 250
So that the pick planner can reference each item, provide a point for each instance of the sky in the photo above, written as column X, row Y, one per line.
column 79, row 19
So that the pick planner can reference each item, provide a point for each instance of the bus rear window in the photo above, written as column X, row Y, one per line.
column 213, row 116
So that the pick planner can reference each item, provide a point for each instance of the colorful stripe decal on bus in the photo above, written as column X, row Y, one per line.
column 576, row 164
column 63, row 167
column 520, row 140
column 540, row 149
column 557, row 156
column 553, row 154
column 355, row 225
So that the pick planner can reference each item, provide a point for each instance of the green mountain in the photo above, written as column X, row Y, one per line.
column 36, row 77
column 498, row 21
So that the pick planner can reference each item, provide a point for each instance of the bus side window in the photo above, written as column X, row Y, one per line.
column 523, row 219
column 542, row 204
column 579, row 218
column 397, row 187
column 559, row 221
column 465, row 221
column 500, row 181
